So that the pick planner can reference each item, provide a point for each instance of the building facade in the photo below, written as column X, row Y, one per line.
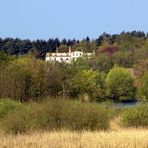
column 66, row 57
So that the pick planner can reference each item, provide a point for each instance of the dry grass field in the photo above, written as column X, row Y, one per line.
column 132, row 138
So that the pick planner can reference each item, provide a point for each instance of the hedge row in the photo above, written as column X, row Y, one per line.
column 56, row 115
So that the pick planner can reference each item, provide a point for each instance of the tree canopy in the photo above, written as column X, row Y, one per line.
column 120, row 84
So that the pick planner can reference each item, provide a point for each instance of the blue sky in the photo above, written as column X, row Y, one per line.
column 46, row 19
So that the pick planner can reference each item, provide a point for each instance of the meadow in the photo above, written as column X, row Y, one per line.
column 127, row 138
column 72, row 124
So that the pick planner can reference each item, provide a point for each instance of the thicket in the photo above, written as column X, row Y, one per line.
column 143, row 91
column 7, row 106
column 135, row 116
column 56, row 115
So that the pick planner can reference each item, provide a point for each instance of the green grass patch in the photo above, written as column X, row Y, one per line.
column 7, row 106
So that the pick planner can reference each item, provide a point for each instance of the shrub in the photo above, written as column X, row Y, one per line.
column 14, row 123
column 89, row 117
column 73, row 115
column 144, row 87
column 7, row 106
column 22, row 119
column 57, row 115
column 135, row 116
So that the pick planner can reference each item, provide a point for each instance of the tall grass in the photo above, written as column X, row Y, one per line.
column 66, row 139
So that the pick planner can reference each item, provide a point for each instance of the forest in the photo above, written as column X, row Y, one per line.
column 118, row 71
column 125, row 41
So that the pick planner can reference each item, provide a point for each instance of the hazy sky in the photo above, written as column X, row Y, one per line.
column 45, row 19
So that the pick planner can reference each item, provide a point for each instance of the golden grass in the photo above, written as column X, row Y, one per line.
column 132, row 138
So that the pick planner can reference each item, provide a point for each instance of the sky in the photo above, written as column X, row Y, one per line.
column 44, row 19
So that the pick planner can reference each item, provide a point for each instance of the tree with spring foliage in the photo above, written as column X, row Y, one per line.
column 88, row 84
column 120, row 84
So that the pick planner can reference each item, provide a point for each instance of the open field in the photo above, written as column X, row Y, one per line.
column 72, row 124
column 132, row 138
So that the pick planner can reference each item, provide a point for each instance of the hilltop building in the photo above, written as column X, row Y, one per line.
column 66, row 57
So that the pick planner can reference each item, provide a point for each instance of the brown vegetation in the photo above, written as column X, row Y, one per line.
column 64, row 139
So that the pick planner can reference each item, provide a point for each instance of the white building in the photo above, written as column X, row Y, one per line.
column 66, row 57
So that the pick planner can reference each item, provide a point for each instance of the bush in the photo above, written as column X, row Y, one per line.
column 57, row 115
column 14, row 123
column 7, row 106
column 136, row 116
column 144, row 87
column 120, row 84
column 89, row 117
column 22, row 119
column 72, row 115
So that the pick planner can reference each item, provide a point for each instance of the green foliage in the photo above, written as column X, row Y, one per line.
column 7, row 106
column 140, row 68
column 63, row 48
column 120, row 84
column 124, row 59
column 89, row 117
column 135, row 116
column 16, row 78
column 82, row 63
column 28, row 78
column 24, row 78
column 87, row 82
column 144, row 87
column 102, row 62
column 140, row 54
column 5, row 59
column 59, row 79
column 56, row 115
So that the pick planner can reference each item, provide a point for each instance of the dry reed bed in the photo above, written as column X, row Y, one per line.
column 64, row 139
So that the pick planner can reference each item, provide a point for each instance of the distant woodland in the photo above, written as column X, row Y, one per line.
column 118, row 71
column 127, row 41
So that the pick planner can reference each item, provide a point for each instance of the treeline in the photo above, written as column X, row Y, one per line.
column 118, row 71
column 113, row 76
column 124, row 41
